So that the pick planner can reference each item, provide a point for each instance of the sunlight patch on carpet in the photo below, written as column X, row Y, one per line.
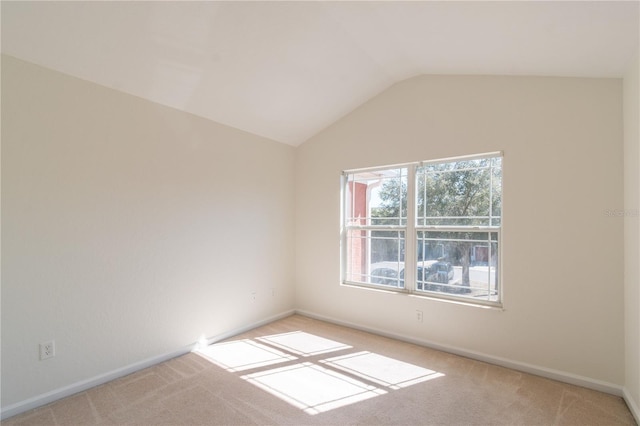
column 240, row 355
column 321, row 382
column 382, row 370
column 303, row 344
column 313, row 388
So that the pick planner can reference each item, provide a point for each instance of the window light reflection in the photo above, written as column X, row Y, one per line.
column 240, row 355
column 312, row 388
column 303, row 344
column 382, row 370
column 321, row 383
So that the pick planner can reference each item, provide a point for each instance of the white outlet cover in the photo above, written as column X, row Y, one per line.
column 47, row 350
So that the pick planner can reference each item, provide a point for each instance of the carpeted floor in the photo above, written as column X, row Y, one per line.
column 300, row 371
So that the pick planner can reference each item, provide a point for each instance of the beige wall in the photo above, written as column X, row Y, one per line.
column 632, row 233
column 129, row 229
column 562, row 255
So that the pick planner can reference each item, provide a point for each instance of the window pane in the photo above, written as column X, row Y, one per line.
column 375, row 257
column 377, row 198
column 496, row 191
column 460, row 193
column 458, row 263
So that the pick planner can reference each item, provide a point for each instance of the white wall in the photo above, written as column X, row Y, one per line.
column 562, row 255
column 632, row 234
column 129, row 229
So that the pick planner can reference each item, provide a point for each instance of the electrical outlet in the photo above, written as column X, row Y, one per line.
column 419, row 316
column 273, row 291
column 253, row 296
column 47, row 350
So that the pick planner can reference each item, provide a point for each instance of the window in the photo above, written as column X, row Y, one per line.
column 441, row 217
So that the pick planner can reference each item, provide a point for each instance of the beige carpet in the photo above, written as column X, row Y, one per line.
column 299, row 371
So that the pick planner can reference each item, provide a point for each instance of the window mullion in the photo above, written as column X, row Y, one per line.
column 410, row 234
column 344, row 208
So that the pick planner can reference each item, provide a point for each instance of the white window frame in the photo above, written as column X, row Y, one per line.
column 369, row 227
column 411, row 229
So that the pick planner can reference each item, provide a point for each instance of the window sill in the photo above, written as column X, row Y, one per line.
column 402, row 292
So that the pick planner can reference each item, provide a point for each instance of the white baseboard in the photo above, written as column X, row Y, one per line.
column 632, row 404
column 63, row 392
column 548, row 373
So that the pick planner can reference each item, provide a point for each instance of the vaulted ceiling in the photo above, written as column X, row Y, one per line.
column 286, row 70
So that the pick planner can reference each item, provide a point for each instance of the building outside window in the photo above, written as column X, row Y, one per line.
column 430, row 228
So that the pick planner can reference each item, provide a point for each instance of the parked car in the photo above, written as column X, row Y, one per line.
column 433, row 271
column 388, row 273
column 440, row 272
column 392, row 273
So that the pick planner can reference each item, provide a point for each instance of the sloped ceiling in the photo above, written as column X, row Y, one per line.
column 286, row 70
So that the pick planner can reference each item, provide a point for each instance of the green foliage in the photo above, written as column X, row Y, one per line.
column 463, row 193
column 393, row 195
column 459, row 194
